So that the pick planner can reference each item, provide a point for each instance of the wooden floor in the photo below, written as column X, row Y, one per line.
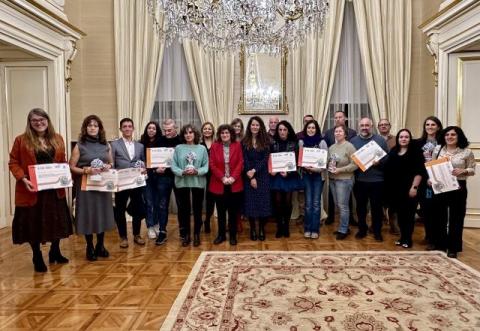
column 134, row 288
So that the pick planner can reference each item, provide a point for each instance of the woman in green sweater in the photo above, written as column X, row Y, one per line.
column 190, row 166
column 340, row 169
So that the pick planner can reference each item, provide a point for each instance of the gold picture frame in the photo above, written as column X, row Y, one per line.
column 263, row 89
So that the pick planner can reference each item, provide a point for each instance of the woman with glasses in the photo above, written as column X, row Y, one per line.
column 39, row 216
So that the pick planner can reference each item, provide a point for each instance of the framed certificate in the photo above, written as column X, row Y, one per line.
column 367, row 155
column 114, row 180
column 440, row 174
column 159, row 157
column 282, row 162
column 50, row 176
column 312, row 157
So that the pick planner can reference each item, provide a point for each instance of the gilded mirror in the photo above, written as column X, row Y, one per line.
column 263, row 84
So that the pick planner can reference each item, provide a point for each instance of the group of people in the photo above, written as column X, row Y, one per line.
column 228, row 167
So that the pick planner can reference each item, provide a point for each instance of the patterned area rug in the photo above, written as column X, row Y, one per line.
column 372, row 291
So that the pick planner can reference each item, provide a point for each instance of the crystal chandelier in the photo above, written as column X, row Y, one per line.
column 259, row 26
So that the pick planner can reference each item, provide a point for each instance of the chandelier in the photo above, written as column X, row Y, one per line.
column 259, row 26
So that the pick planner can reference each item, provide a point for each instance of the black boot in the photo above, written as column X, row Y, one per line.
column 55, row 255
column 220, row 239
column 186, row 240
column 38, row 263
column 261, row 229
column 100, row 249
column 90, row 251
column 253, row 233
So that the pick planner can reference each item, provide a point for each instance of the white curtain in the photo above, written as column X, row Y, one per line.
column 138, row 55
column 314, row 65
column 349, row 93
column 174, row 95
column 384, row 31
column 211, row 77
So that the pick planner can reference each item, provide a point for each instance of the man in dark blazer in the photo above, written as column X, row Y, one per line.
column 127, row 153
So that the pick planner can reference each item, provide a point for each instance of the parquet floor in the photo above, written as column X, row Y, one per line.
column 134, row 288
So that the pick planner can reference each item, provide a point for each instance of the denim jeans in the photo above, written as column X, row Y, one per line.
column 157, row 196
column 313, row 196
column 341, row 189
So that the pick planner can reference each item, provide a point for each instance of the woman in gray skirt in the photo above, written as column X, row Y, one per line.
column 93, row 209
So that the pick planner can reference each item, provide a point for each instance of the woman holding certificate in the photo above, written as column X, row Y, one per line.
column 208, row 136
column 404, row 171
column 313, row 180
column 283, row 183
column 39, row 216
column 341, row 170
column 256, row 148
column 190, row 166
column 226, row 184
column 432, row 128
column 94, row 209
column 151, row 139
column 451, row 206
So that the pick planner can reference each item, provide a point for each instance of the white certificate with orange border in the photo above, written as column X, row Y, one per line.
column 159, row 157
column 312, row 157
column 114, row 180
column 282, row 162
column 367, row 155
column 50, row 176
column 440, row 174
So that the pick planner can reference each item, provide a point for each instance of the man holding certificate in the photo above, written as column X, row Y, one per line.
column 127, row 153
column 369, row 183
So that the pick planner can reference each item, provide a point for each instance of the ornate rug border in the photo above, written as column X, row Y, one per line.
column 174, row 310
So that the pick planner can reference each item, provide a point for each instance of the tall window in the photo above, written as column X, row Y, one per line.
column 174, row 95
column 349, row 92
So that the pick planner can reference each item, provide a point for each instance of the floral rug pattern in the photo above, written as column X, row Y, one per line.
column 372, row 291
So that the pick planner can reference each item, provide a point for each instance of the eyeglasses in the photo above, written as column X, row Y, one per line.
column 38, row 120
column 384, row 124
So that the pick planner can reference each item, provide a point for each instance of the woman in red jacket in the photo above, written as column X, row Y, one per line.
column 226, row 165
column 39, row 216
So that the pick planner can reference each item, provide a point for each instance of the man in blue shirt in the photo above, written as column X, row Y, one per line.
column 369, row 184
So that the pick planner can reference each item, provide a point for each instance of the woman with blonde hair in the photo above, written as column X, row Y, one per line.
column 39, row 216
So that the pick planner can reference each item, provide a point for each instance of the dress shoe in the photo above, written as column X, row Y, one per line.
column 452, row 255
column 196, row 240
column 101, row 251
column 90, row 254
column 56, row 257
column 360, row 235
column 39, row 264
column 137, row 239
column 378, row 237
column 220, row 239
column 341, row 236
column 233, row 240
column 161, row 239
column 123, row 243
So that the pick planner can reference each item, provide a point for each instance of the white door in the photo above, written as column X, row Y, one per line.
column 463, row 110
column 24, row 85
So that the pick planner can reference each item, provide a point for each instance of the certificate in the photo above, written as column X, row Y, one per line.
column 282, row 162
column 159, row 157
column 114, row 180
column 440, row 174
column 367, row 155
column 312, row 157
column 50, row 176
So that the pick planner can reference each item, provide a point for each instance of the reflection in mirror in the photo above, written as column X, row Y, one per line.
column 262, row 84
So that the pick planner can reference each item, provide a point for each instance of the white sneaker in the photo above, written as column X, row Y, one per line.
column 314, row 235
column 156, row 227
column 307, row 235
column 151, row 233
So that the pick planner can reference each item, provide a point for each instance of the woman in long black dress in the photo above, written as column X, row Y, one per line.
column 404, row 171
column 39, row 216
column 256, row 149
column 93, row 209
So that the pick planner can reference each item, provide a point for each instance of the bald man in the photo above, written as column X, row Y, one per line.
column 369, row 184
